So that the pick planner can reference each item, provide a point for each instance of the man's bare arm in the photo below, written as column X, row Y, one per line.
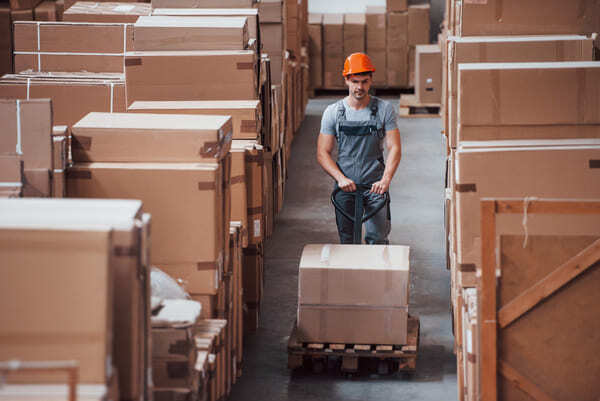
column 325, row 146
column 394, row 146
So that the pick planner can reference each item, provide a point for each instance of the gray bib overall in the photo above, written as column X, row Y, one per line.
column 360, row 158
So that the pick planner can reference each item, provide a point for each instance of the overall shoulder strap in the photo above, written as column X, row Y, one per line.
column 374, row 107
column 340, row 116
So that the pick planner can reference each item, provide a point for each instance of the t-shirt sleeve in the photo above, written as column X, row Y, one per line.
column 328, row 121
column 389, row 117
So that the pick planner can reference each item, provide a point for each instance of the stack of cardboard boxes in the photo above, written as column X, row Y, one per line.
column 165, row 106
column 389, row 35
column 521, row 121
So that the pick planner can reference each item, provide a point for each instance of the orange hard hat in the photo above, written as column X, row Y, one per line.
column 357, row 63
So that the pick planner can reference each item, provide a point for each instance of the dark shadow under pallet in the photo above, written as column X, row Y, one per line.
column 409, row 107
column 356, row 358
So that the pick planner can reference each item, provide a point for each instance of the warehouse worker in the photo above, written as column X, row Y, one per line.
column 360, row 124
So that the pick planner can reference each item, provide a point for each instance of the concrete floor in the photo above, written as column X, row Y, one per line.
column 307, row 217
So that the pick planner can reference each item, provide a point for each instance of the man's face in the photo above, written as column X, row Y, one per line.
column 359, row 85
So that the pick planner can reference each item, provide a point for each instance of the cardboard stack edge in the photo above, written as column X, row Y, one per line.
column 520, row 120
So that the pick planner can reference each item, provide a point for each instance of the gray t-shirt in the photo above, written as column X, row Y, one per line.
column 385, row 113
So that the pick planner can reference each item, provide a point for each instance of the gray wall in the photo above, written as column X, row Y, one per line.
column 358, row 6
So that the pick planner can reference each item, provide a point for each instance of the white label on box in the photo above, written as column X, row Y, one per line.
column 257, row 228
column 469, row 341
column 123, row 8
column 216, row 279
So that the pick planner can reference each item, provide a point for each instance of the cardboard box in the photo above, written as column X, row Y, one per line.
column 507, row 49
column 130, row 237
column 396, row 5
column 397, row 49
column 239, row 192
column 159, row 32
column 21, row 15
column 172, row 373
column 428, row 74
column 349, row 294
column 537, row 17
column 245, row 114
column 418, row 24
column 254, row 183
column 519, row 100
column 99, row 47
column 183, row 232
column 191, row 75
column 80, row 327
column 376, row 43
column 11, row 176
column 354, row 33
column 113, row 137
column 251, row 15
column 272, row 39
column 333, row 50
column 23, row 4
column 72, row 98
column 119, row 12
column 252, row 275
column 6, row 56
column 315, row 49
column 203, row 4
column 45, row 11
column 553, row 169
column 271, row 11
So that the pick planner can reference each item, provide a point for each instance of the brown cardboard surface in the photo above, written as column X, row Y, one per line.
column 252, row 276
column 546, row 169
column 196, row 278
column 333, row 50
column 111, row 137
column 352, row 325
column 23, row 4
column 182, row 231
column 11, row 172
column 37, row 182
column 60, row 152
column 428, row 73
column 525, row 94
column 397, row 49
column 272, row 39
column 121, row 12
column 250, row 13
column 45, row 11
column 396, row 5
column 354, row 275
column 376, row 43
column 176, row 342
column 354, row 33
column 72, row 98
column 57, row 324
column 254, row 183
column 507, row 49
column 271, row 11
column 239, row 192
column 535, row 17
column 245, row 114
column 315, row 49
column 6, row 64
column 21, row 15
column 418, row 24
column 203, row 4
column 160, row 32
column 171, row 372
column 191, row 75
column 100, row 47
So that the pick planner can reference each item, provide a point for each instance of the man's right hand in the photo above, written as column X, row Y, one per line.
column 346, row 185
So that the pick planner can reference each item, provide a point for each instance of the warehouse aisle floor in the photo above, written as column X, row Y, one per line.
column 307, row 217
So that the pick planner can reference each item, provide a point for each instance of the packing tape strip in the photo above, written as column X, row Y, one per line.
column 41, row 53
column 28, row 87
column 112, row 96
column 19, row 148
column 124, row 38
column 325, row 254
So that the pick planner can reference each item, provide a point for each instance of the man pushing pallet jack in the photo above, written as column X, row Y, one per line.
column 353, row 298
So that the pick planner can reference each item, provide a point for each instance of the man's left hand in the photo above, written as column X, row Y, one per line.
column 380, row 187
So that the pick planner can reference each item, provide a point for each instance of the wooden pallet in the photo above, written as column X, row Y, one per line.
column 390, row 358
column 410, row 108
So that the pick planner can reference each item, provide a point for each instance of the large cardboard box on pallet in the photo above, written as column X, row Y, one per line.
column 191, row 75
column 184, row 233
column 487, row 49
column 353, row 294
column 354, row 34
column 246, row 114
column 534, row 17
column 90, row 11
column 131, row 137
column 130, row 275
column 428, row 74
column 519, row 100
column 333, row 50
column 161, row 32
column 377, row 43
column 251, row 14
column 393, row 6
column 315, row 49
column 49, row 46
column 397, row 49
column 527, row 168
column 57, row 324
column 73, row 95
